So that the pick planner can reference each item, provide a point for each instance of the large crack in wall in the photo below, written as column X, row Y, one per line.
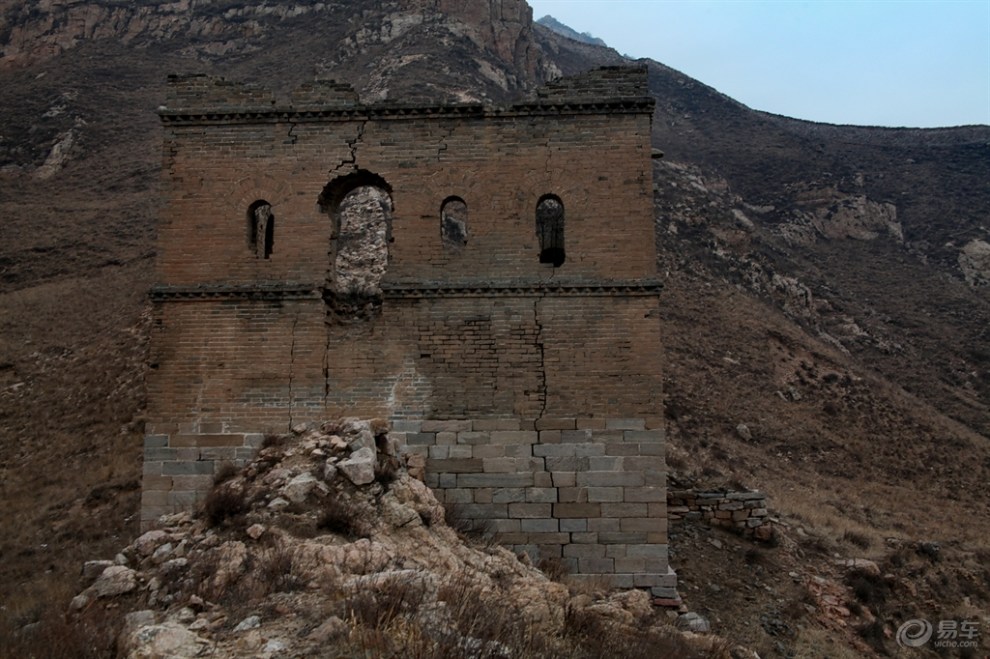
column 292, row 364
column 543, row 362
column 348, row 164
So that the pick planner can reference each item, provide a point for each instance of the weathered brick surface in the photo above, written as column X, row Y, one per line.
column 533, row 390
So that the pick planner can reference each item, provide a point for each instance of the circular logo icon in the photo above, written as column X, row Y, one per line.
column 914, row 633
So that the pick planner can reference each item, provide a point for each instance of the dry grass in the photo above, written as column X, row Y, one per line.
column 90, row 635
column 555, row 568
column 833, row 529
column 476, row 532
column 224, row 505
column 477, row 623
column 341, row 516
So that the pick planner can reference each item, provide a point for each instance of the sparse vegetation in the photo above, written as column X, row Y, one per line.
column 343, row 517
column 224, row 504
column 857, row 539
column 868, row 587
column 555, row 568
column 471, row 530
column 224, row 472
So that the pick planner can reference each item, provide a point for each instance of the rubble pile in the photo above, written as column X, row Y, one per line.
column 326, row 543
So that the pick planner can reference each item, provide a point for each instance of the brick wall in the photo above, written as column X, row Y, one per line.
column 247, row 341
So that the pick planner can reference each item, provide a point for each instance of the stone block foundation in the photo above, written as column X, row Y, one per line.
column 588, row 492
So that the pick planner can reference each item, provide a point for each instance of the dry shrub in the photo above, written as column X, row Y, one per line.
column 473, row 531
column 554, row 567
column 342, row 517
column 201, row 578
column 857, row 539
column 484, row 626
column 302, row 525
column 267, row 570
column 276, row 572
column 224, row 473
column 592, row 636
column 386, row 468
column 91, row 634
column 594, row 585
column 378, row 606
column 874, row 635
column 755, row 556
column 869, row 588
column 273, row 440
column 224, row 503
column 818, row 544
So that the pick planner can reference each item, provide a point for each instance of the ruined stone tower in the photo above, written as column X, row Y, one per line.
column 491, row 290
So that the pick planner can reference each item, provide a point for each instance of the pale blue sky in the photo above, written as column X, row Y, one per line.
column 916, row 63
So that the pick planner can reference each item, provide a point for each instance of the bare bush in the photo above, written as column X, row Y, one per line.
column 224, row 503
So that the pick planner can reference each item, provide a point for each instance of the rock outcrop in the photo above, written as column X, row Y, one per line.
column 41, row 30
column 974, row 261
column 828, row 214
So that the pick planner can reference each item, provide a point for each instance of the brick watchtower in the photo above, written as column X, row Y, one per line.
column 483, row 277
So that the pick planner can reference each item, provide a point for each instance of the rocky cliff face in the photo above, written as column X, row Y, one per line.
column 32, row 32
column 37, row 31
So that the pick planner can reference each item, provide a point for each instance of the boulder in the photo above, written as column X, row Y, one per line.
column 974, row 261
column 693, row 622
column 169, row 639
column 251, row 622
column 92, row 569
column 146, row 544
column 115, row 580
column 360, row 467
column 297, row 489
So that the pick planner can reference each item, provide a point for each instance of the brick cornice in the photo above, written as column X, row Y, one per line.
column 221, row 116
column 640, row 287
column 281, row 291
column 412, row 290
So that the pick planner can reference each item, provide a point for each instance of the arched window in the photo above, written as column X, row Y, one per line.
column 453, row 222
column 261, row 229
column 550, row 229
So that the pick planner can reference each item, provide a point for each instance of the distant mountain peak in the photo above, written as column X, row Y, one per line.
column 552, row 23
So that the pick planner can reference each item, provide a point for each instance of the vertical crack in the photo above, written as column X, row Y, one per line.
column 326, row 366
column 292, row 363
column 549, row 154
column 543, row 364
column 352, row 146
column 291, row 138
column 442, row 146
